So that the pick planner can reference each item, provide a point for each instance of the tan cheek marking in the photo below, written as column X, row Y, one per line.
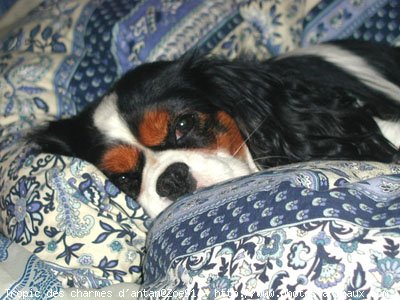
column 230, row 139
column 120, row 159
column 153, row 129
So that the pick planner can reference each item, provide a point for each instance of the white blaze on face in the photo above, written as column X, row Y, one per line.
column 110, row 123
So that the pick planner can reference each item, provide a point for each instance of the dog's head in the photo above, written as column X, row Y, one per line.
column 162, row 131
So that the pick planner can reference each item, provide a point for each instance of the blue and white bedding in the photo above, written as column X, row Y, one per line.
column 320, row 227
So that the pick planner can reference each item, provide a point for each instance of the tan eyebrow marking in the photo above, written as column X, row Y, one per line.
column 231, row 139
column 153, row 129
column 120, row 159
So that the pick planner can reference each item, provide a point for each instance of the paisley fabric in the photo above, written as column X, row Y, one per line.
column 304, row 227
column 307, row 231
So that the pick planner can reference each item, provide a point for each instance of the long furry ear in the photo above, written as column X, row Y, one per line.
column 244, row 88
column 55, row 137
column 71, row 137
column 241, row 83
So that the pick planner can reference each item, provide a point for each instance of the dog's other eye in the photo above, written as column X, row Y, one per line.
column 122, row 179
column 129, row 183
column 184, row 125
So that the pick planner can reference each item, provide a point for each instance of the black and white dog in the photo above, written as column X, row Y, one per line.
column 170, row 127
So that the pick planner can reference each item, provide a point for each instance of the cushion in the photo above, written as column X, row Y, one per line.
column 322, row 228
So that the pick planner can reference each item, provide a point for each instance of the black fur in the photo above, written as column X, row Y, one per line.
column 303, row 108
column 293, row 109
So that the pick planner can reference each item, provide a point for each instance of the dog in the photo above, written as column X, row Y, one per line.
column 168, row 128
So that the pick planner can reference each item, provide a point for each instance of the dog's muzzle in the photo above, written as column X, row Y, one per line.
column 175, row 181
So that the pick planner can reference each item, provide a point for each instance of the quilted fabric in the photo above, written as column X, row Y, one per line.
column 315, row 229
column 320, row 227
column 369, row 20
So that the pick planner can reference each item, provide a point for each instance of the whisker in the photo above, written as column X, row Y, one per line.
column 248, row 138
column 270, row 156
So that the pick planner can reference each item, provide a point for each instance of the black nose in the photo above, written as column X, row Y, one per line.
column 175, row 181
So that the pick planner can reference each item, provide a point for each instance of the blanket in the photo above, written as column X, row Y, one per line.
column 311, row 230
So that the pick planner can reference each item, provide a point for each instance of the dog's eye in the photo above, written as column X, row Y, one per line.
column 184, row 125
column 127, row 182
column 122, row 179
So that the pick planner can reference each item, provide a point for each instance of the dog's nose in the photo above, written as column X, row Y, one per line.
column 175, row 181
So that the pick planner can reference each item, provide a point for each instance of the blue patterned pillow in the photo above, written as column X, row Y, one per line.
column 321, row 230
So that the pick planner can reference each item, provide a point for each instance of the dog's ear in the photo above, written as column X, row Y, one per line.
column 244, row 88
column 241, row 86
column 55, row 137
column 250, row 93
column 71, row 137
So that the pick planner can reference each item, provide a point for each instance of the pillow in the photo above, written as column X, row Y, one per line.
column 313, row 230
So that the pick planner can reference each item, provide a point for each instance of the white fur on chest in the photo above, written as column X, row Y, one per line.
column 390, row 130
